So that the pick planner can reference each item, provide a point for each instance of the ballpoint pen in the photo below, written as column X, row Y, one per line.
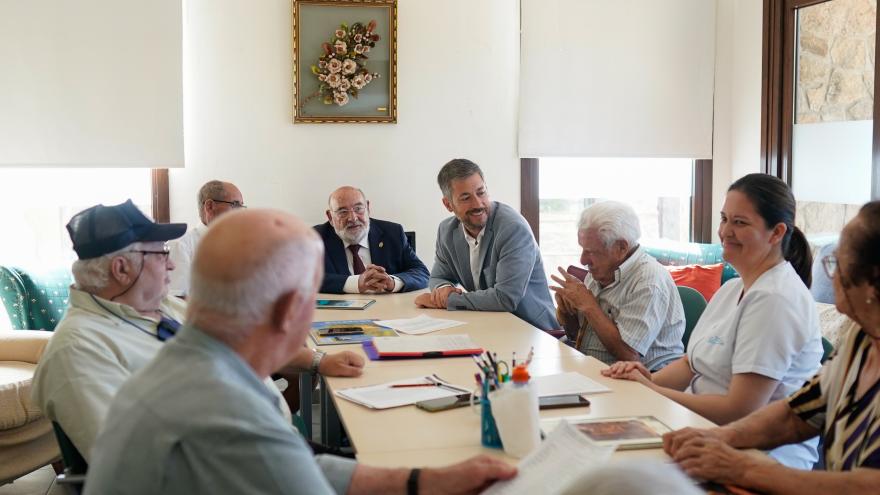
column 492, row 362
column 407, row 385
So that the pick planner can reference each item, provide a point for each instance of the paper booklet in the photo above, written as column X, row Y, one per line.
column 557, row 465
column 628, row 432
column 386, row 396
column 422, row 347
column 348, row 332
column 344, row 303
column 570, row 383
column 419, row 325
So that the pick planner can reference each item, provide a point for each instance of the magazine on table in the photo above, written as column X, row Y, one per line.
column 348, row 332
column 626, row 432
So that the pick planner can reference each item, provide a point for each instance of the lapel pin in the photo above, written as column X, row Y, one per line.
column 381, row 243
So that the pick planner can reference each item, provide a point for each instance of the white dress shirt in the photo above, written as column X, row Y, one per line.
column 351, row 283
column 474, row 245
column 182, row 252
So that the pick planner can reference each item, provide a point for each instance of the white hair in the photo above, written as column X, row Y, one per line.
column 613, row 221
column 93, row 275
column 247, row 302
column 633, row 478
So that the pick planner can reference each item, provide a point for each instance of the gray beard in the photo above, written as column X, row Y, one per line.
column 343, row 234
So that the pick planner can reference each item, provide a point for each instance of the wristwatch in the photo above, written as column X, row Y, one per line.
column 316, row 361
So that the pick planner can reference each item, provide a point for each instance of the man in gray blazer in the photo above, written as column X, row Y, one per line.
column 487, row 258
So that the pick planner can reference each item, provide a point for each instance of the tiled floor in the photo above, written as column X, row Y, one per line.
column 40, row 482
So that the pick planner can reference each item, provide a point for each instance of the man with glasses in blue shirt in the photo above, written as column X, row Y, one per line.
column 214, row 199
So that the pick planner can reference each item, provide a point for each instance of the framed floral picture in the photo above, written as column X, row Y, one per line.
column 345, row 61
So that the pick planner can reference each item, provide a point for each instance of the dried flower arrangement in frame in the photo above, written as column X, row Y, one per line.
column 345, row 61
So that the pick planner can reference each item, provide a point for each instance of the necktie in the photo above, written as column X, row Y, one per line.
column 356, row 262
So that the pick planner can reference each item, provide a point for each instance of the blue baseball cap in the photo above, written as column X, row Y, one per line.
column 101, row 229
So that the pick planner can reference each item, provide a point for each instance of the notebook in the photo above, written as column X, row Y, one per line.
column 421, row 347
column 386, row 395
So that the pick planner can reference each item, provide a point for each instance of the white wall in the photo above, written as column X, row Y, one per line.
column 457, row 95
column 457, row 98
column 737, row 132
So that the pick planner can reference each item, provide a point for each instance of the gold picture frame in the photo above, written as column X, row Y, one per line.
column 324, row 30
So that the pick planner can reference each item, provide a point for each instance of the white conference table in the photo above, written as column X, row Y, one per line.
column 408, row 436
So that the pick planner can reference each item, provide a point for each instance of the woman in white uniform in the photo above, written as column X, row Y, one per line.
column 758, row 339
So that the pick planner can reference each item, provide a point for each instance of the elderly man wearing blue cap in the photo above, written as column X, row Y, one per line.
column 118, row 317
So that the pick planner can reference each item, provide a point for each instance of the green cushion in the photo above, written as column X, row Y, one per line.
column 14, row 298
column 34, row 299
column 693, row 304
column 672, row 253
column 827, row 349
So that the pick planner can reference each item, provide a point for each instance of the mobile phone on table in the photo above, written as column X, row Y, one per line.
column 444, row 403
column 578, row 272
column 334, row 331
column 561, row 401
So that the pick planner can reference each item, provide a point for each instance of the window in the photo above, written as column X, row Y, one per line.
column 40, row 201
column 659, row 189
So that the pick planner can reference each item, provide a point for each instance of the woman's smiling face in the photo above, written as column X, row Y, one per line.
column 745, row 236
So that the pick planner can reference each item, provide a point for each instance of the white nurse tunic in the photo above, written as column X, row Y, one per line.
column 772, row 331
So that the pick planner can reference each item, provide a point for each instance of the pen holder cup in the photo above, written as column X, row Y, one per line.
column 489, row 436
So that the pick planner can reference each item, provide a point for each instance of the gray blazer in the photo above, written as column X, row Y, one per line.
column 512, row 273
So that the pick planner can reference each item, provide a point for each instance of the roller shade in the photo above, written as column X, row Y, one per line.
column 91, row 83
column 622, row 78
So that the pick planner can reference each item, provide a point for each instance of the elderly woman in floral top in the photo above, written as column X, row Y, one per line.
column 842, row 402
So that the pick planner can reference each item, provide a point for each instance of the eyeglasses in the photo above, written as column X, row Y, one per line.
column 830, row 264
column 166, row 250
column 344, row 212
column 234, row 204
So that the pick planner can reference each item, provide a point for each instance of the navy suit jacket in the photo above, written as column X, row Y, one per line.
column 388, row 249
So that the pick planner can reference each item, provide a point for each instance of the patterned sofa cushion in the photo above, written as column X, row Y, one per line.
column 34, row 299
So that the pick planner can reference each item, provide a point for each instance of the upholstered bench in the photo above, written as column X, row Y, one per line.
column 26, row 438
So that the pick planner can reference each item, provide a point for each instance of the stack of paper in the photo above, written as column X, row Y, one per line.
column 554, row 466
column 571, row 383
column 386, row 396
column 419, row 325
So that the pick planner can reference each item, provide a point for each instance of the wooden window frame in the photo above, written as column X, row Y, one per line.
column 701, row 198
column 777, row 91
column 161, row 203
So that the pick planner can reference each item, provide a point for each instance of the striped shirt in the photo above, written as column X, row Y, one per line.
column 850, row 426
column 644, row 304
